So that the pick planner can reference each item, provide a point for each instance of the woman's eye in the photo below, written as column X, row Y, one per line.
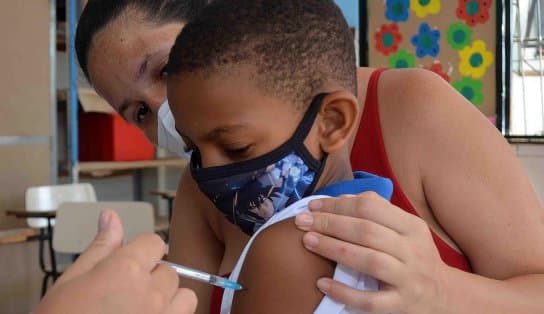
column 142, row 113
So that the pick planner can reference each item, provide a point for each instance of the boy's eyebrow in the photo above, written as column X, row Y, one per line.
column 218, row 130
column 223, row 129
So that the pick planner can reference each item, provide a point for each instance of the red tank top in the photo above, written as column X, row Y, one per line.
column 368, row 154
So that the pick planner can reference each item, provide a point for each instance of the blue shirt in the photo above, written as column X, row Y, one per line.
column 362, row 182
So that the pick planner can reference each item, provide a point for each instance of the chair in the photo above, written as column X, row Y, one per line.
column 76, row 224
column 49, row 198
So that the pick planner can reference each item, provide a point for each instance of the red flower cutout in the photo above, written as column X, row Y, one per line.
column 388, row 39
column 438, row 69
column 474, row 11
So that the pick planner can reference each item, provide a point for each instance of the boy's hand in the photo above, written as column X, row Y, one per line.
column 108, row 278
column 372, row 236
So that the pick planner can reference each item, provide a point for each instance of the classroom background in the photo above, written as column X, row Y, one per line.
column 56, row 131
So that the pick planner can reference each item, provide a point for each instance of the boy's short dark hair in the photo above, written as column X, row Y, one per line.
column 296, row 46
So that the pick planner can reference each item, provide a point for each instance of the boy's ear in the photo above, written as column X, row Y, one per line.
column 339, row 115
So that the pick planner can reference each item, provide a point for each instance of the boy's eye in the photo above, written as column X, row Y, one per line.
column 141, row 113
column 239, row 152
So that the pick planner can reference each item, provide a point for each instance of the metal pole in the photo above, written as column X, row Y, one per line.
column 53, row 143
column 72, row 91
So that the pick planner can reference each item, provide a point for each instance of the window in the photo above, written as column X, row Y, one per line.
column 523, row 112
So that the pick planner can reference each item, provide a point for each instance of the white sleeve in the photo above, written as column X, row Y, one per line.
column 341, row 273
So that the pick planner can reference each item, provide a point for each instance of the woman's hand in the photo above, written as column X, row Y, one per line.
column 369, row 234
column 108, row 278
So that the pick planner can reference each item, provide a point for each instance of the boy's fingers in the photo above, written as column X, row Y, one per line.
column 184, row 302
column 108, row 239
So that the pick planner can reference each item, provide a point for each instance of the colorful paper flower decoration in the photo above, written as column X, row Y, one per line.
column 388, row 39
column 397, row 10
column 402, row 59
column 438, row 69
column 474, row 11
column 422, row 8
column 471, row 89
column 475, row 60
column 426, row 41
column 459, row 35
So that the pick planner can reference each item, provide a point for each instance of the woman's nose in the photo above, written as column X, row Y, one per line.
column 155, row 96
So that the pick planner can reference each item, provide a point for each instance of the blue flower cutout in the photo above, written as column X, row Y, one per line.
column 426, row 41
column 397, row 10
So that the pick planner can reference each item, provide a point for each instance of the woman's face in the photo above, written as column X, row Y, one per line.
column 126, row 62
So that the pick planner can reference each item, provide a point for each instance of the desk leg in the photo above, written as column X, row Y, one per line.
column 44, row 283
column 42, row 238
column 54, row 272
column 170, row 208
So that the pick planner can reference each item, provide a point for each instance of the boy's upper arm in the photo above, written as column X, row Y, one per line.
column 473, row 182
column 279, row 275
column 192, row 242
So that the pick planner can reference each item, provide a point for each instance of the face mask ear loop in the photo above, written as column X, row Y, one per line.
column 303, row 131
column 308, row 120
column 318, row 173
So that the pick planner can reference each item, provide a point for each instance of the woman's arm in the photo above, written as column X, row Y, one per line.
column 478, row 194
column 192, row 240
column 279, row 274
column 481, row 196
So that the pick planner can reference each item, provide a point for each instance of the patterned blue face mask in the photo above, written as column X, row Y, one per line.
column 250, row 192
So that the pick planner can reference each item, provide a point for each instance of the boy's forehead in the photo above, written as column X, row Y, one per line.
column 220, row 86
column 207, row 101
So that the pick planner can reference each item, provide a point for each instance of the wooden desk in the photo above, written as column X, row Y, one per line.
column 17, row 235
column 45, row 235
column 31, row 214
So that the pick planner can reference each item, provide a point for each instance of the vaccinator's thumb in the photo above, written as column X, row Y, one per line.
column 108, row 239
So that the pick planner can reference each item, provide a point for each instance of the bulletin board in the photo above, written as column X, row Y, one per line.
column 457, row 39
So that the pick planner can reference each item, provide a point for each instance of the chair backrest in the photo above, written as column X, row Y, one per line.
column 77, row 223
column 46, row 198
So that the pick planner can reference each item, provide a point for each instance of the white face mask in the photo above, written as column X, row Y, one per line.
column 168, row 137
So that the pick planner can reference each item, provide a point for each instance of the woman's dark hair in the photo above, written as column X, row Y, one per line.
column 97, row 14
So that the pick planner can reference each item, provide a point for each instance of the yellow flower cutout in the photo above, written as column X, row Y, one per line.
column 475, row 60
column 422, row 8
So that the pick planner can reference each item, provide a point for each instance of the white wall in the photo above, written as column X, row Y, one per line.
column 532, row 159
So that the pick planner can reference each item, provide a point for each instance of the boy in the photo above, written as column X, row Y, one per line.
column 263, row 93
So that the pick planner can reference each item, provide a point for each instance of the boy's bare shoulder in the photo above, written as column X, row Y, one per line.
column 280, row 274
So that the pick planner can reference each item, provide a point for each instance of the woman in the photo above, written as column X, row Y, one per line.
column 462, row 180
